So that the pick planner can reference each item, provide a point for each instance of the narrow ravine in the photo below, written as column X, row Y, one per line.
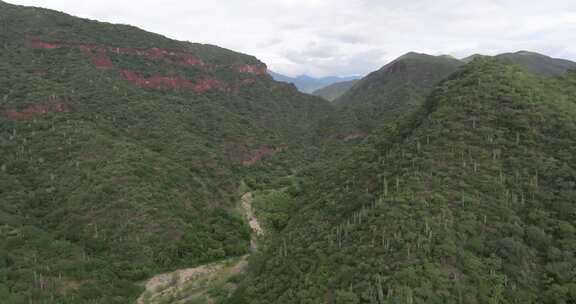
column 184, row 285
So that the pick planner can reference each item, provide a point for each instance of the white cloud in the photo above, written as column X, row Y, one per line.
column 343, row 37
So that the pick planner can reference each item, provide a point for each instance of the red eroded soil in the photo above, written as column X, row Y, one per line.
column 251, row 69
column 207, row 84
column 99, row 55
column 101, row 60
column 156, row 81
column 37, row 110
column 39, row 44
column 255, row 156
column 153, row 53
column 188, row 59
column 171, row 81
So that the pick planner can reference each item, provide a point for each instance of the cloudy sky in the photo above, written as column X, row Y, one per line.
column 346, row 37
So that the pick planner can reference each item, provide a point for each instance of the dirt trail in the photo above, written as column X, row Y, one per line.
column 188, row 284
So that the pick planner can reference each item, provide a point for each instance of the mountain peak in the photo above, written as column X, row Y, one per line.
column 399, row 87
column 471, row 57
column 416, row 55
column 413, row 55
column 529, row 53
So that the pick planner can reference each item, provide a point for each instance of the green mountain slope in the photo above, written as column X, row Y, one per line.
column 412, row 73
column 534, row 62
column 122, row 152
column 471, row 58
column 394, row 91
column 538, row 63
column 471, row 200
column 335, row 90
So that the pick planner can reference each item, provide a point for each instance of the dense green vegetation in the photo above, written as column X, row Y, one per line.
column 470, row 200
column 103, row 183
column 333, row 91
column 123, row 154
column 401, row 87
column 395, row 90
column 534, row 62
column 538, row 63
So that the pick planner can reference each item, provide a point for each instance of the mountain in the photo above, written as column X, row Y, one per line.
column 411, row 73
column 535, row 62
column 137, row 168
column 123, row 151
column 309, row 84
column 538, row 63
column 335, row 90
column 400, row 87
column 393, row 91
column 471, row 58
column 469, row 200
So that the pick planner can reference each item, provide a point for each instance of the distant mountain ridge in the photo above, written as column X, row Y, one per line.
column 415, row 70
column 539, row 63
column 533, row 62
column 333, row 87
column 307, row 84
column 335, row 90
column 398, row 86
column 418, row 73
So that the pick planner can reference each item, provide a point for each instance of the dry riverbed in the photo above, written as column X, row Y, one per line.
column 191, row 285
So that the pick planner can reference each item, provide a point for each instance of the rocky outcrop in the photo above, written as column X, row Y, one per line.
column 252, row 69
column 171, row 82
column 100, row 57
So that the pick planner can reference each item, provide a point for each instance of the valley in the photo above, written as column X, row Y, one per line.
column 135, row 168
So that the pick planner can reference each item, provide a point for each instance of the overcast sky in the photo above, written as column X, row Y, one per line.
column 346, row 37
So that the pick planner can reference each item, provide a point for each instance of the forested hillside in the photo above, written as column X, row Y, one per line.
column 333, row 91
column 471, row 200
column 538, row 63
column 396, row 90
column 122, row 152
